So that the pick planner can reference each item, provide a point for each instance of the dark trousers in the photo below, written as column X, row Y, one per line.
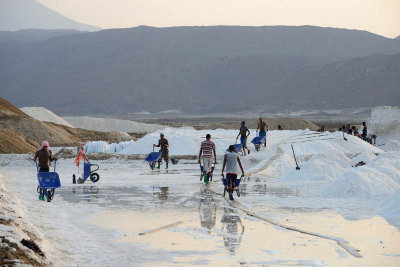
column 47, row 169
column 231, row 180
column 364, row 137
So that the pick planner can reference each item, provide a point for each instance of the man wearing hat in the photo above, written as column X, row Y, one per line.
column 45, row 157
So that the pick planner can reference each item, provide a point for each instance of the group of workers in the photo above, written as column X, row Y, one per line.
column 207, row 153
column 352, row 130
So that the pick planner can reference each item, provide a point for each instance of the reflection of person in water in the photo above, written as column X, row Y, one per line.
column 163, row 194
column 233, row 230
column 207, row 211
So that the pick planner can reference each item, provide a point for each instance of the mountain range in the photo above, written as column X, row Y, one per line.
column 200, row 70
column 29, row 14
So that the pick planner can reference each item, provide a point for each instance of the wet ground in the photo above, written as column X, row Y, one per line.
column 134, row 216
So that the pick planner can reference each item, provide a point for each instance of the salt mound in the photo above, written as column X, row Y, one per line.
column 385, row 123
column 96, row 147
column 389, row 164
column 361, row 182
column 104, row 147
column 112, row 125
column 43, row 114
column 390, row 208
column 331, row 143
column 366, row 157
column 321, row 167
column 392, row 145
column 279, row 166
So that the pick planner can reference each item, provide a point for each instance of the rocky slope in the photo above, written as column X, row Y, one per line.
column 20, row 133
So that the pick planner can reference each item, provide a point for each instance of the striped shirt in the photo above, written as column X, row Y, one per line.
column 207, row 147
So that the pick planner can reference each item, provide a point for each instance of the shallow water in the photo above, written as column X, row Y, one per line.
column 99, row 224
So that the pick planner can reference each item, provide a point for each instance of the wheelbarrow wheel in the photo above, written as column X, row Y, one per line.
column 48, row 195
column 94, row 177
column 238, row 192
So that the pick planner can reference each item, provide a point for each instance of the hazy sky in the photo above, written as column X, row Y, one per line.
column 377, row 16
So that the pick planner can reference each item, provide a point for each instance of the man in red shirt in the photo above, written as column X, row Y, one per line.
column 207, row 148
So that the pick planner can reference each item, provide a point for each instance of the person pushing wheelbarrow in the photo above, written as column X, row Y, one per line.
column 207, row 148
column 231, row 160
column 45, row 156
column 163, row 144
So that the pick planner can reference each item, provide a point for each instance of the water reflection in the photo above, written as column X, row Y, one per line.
column 207, row 210
column 232, row 229
column 243, row 189
column 260, row 189
column 85, row 193
column 161, row 192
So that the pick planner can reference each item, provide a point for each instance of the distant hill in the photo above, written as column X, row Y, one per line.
column 398, row 37
column 28, row 14
column 202, row 70
column 109, row 124
column 33, row 35
column 43, row 114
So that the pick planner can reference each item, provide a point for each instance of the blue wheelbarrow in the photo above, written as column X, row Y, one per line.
column 207, row 178
column 231, row 189
column 153, row 157
column 89, row 170
column 48, row 182
column 258, row 141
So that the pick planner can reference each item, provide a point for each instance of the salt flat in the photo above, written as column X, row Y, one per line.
column 99, row 224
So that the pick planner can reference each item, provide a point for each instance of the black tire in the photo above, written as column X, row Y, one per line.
column 238, row 193
column 48, row 195
column 95, row 177
column 73, row 179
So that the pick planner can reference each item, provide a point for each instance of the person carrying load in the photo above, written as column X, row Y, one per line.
column 244, row 133
column 163, row 144
column 263, row 127
column 207, row 148
column 45, row 156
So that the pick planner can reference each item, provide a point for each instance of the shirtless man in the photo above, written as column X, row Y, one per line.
column 244, row 133
column 263, row 127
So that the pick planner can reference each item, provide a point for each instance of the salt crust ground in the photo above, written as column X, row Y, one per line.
column 326, row 179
